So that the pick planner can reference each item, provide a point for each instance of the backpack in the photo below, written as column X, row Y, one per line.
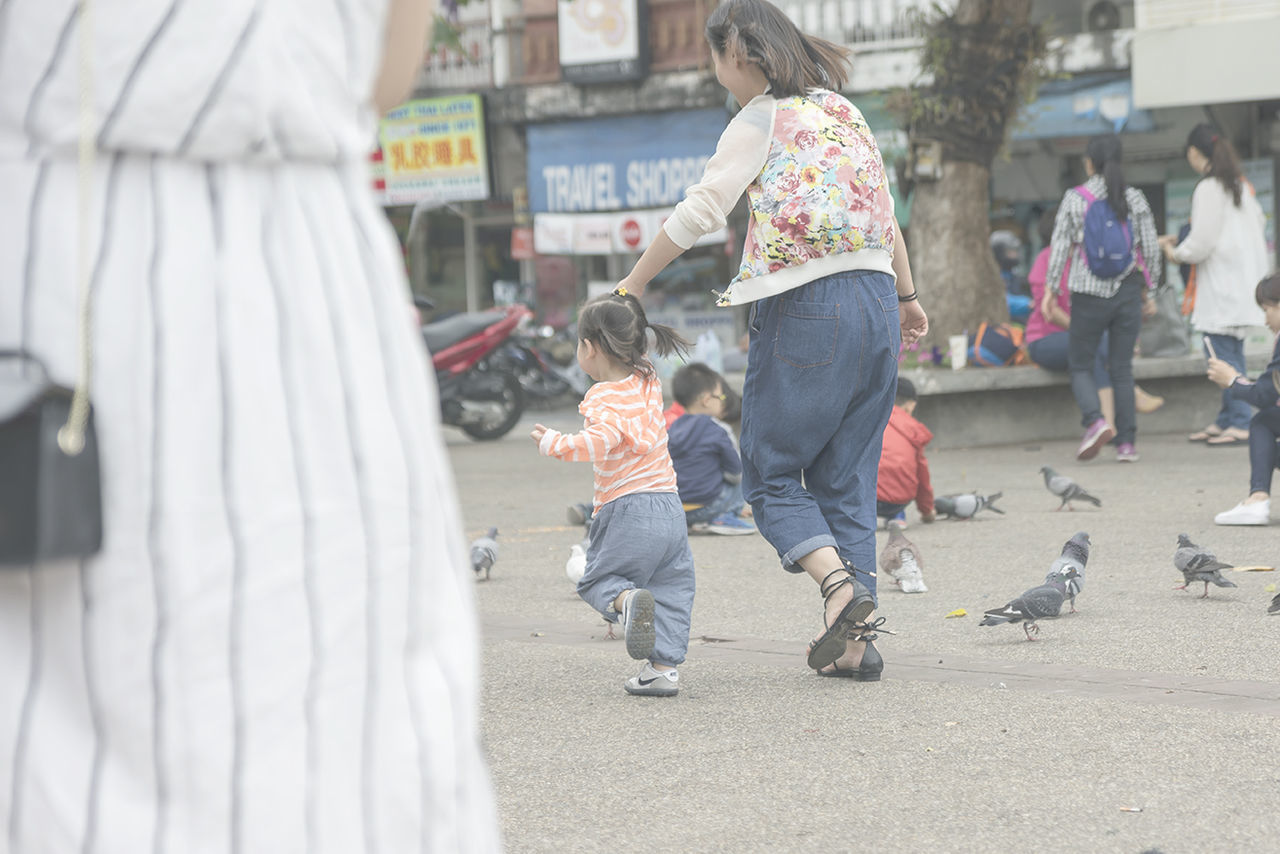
column 996, row 344
column 1108, row 242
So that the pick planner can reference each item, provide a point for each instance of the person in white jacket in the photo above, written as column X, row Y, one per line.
column 1229, row 249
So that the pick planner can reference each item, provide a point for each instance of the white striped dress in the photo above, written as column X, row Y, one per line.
column 275, row 650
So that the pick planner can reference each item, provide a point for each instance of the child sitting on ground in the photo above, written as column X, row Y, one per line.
column 708, row 466
column 639, row 568
column 1264, row 429
column 904, row 471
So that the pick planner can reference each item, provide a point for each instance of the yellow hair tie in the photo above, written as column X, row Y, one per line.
column 620, row 292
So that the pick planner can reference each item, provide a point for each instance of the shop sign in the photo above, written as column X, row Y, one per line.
column 433, row 149
column 621, row 232
column 621, row 163
column 601, row 41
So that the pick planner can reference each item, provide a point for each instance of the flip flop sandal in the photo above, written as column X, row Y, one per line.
column 1225, row 439
column 831, row 644
column 1206, row 434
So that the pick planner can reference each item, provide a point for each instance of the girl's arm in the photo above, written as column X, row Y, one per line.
column 593, row 443
column 911, row 316
column 1060, row 243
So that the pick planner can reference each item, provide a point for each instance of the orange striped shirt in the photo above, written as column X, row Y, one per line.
column 624, row 436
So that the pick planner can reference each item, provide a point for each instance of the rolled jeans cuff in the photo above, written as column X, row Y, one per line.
column 793, row 555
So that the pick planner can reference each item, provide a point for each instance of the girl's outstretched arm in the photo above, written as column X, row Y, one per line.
column 911, row 316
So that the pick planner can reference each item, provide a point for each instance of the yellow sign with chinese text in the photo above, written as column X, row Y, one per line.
column 433, row 149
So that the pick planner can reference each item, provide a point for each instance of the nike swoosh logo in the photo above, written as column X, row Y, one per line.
column 644, row 683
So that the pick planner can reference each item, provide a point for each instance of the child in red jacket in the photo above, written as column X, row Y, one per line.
column 904, row 471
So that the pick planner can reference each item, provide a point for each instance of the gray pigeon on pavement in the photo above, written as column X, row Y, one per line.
column 900, row 560
column 1066, row 489
column 1043, row 601
column 1075, row 554
column 484, row 553
column 966, row 505
column 1197, row 564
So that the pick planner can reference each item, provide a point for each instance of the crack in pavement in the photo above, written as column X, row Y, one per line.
column 1168, row 689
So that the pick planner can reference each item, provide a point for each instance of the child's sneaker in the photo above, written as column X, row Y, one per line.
column 1126, row 453
column 653, row 683
column 637, row 623
column 727, row 523
column 700, row 528
column 579, row 514
column 1098, row 434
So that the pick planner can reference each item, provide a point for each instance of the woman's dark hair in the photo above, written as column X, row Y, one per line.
column 617, row 325
column 1044, row 225
column 1104, row 153
column 1224, row 163
column 792, row 62
column 1268, row 290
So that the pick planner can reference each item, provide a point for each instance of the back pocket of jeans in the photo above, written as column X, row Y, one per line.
column 807, row 333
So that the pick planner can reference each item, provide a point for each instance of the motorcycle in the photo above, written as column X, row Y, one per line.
column 543, row 381
column 476, row 394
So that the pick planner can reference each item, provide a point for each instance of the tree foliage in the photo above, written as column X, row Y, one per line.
column 984, row 60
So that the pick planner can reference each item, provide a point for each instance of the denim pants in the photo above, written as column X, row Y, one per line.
column 821, row 376
column 729, row 500
column 1053, row 351
column 1234, row 413
column 641, row 540
column 1264, row 448
column 1121, row 317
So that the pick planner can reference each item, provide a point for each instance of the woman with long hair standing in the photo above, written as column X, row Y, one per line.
column 1102, row 303
column 1229, row 249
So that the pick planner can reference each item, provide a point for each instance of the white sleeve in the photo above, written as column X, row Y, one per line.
column 1208, row 202
column 740, row 155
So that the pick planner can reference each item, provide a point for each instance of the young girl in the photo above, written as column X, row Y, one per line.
column 1264, row 429
column 820, row 259
column 639, row 568
column 1229, row 248
column 1112, row 305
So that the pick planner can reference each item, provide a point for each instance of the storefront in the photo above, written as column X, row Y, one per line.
column 599, row 190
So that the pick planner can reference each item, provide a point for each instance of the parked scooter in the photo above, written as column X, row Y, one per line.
column 482, row 398
column 544, row 381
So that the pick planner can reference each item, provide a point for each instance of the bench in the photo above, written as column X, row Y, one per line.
column 974, row 407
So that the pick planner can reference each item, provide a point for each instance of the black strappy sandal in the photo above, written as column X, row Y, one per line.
column 872, row 665
column 830, row 646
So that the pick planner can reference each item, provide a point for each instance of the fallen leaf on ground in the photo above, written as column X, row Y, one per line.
column 958, row 612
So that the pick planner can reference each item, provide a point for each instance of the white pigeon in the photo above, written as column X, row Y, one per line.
column 576, row 565
column 484, row 553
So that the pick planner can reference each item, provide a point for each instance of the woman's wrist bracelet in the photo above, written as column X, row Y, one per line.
column 911, row 297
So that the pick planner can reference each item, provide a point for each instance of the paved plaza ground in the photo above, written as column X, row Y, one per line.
column 1148, row 721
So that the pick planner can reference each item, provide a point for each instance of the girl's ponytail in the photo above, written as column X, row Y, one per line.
column 617, row 324
column 1105, row 154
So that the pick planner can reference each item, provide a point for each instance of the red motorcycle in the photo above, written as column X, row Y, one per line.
column 477, row 395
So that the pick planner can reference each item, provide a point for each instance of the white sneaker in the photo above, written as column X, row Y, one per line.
column 1258, row 513
column 653, row 683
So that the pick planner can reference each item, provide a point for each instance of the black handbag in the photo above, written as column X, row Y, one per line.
column 50, row 487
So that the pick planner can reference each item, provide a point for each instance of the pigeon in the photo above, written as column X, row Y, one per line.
column 1196, row 564
column 1274, row 607
column 1075, row 554
column 576, row 565
column 900, row 560
column 1066, row 489
column 966, row 506
column 1043, row 601
column 484, row 553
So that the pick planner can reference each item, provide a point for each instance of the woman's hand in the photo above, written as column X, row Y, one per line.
column 1221, row 373
column 913, row 320
column 1148, row 305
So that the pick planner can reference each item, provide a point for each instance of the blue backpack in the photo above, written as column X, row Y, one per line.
column 1108, row 241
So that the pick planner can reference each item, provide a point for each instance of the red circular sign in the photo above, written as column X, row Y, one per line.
column 631, row 233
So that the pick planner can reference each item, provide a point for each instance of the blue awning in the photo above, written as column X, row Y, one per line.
column 1087, row 105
